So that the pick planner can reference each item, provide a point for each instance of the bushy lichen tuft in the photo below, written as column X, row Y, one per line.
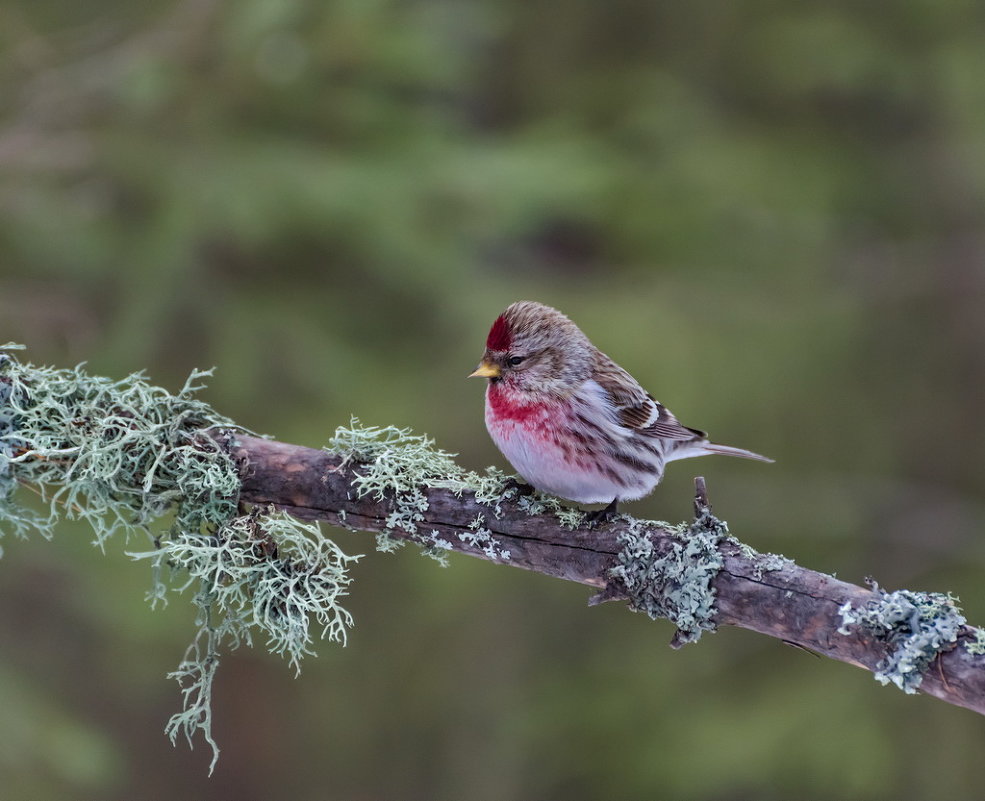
column 492, row 488
column 9, row 447
column 269, row 572
column 916, row 625
column 126, row 456
column 117, row 454
column 672, row 578
column 395, row 460
column 263, row 572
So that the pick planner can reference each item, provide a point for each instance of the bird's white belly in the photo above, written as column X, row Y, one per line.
column 537, row 449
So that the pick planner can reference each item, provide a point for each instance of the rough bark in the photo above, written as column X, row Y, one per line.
column 792, row 603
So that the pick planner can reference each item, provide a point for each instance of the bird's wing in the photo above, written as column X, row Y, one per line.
column 635, row 408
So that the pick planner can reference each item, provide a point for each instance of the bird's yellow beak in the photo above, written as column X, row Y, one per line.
column 485, row 370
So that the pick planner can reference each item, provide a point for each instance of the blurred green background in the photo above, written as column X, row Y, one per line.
column 772, row 214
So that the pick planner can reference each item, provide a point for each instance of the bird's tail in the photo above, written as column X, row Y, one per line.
column 727, row 450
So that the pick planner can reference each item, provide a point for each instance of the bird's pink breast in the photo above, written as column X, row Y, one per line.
column 527, row 432
column 505, row 407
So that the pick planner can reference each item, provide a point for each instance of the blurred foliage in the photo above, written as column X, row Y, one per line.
column 772, row 215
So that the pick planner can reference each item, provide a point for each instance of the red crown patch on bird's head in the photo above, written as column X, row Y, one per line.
column 499, row 335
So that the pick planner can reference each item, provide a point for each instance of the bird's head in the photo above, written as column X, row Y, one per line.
column 534, row 349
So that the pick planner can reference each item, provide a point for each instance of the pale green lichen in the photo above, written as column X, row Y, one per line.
column 126, row 456
column 570, row 517
column 975, row 644
column 439, row 548
column 916, row 625
column 480, row 537
column 9, row 447
column 396, row 461
column 117, row 454
column 538, row 503
column 745, row 550
column 769, row 562
column 387, row 543
column 763, row 563
column 267, row 572
column 672, row 577
column 492, row 488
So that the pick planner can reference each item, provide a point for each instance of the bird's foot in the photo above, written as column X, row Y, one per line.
column 522, row 489
column 601, row 516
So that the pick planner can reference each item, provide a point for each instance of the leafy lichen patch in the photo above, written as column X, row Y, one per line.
column 763, row 563
column 673, row 580
column 480, row 537
column 439, row 548
column 916, row 625
column 538, row 503
column 975, row 644
column 769, row 562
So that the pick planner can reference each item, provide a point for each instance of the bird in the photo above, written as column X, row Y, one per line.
column 571, row 421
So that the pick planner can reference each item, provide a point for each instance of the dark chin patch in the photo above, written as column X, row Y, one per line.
column 499, row 335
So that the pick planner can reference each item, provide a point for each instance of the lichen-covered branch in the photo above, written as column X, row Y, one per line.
column 127, row 456
column 918, row 642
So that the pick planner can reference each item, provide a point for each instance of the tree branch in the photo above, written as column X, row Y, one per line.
column 754, row 591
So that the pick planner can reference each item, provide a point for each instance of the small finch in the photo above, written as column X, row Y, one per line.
column 570, row 420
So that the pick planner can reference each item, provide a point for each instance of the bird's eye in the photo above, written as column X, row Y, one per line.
column 513, row 361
